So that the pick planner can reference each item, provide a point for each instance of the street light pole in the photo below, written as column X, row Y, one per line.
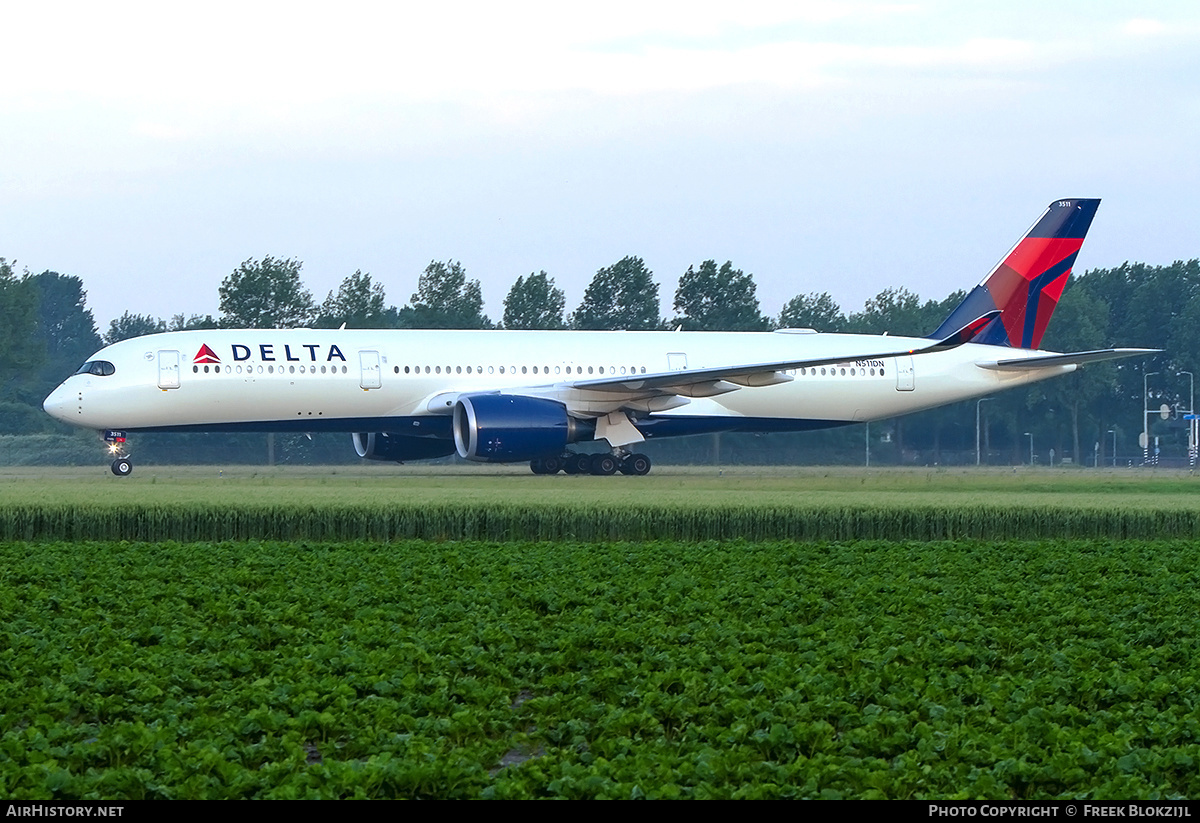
column 1030, row 435
column 977, row 402
column 1190, row 418
column 1113, row 432
column 1146, row 416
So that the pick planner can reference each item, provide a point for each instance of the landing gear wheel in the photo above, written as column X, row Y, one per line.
column 537, row 466
column 551, row 465
column 636, row 464
column 580, row 463
column 122, row 467
column 604, row 464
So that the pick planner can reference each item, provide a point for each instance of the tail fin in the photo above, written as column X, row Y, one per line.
column 1026, row 284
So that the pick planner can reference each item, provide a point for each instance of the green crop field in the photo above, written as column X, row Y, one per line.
column 468, row 669
column 384, row 503
column 599, row 637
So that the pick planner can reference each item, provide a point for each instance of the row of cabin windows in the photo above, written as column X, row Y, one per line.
column 524, row 369
column 99, row 367
column 270, row 369
column 841, row 370
column 216, row 369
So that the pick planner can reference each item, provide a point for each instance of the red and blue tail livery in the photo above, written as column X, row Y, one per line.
column 1026, row 285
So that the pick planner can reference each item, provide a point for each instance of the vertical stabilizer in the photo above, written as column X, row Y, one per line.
column 1026, row 284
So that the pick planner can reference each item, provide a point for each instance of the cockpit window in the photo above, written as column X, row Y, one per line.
column 100, row 368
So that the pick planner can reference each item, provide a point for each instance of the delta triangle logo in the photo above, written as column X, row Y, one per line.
column 206, row 355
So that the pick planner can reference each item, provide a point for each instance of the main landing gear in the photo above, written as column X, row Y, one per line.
column 602, row 464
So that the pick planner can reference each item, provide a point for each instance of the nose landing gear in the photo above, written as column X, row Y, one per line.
column 122, row 466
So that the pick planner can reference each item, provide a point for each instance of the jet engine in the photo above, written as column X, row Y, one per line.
column 506, row 428
column 397, row 447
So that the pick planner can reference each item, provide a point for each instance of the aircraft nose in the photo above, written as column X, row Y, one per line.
column 57, row 404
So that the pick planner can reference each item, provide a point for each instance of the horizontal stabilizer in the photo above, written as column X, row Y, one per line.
column 1072, row 359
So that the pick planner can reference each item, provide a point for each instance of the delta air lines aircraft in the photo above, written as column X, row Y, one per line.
column 516, row 396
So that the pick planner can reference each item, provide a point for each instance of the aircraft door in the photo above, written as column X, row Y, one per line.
column 676, row 361
column 168, row 369
column 905, row 377
column 370, row 373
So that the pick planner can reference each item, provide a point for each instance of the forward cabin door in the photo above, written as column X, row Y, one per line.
column 370, row 376
column 168, row 370
column 905, row 378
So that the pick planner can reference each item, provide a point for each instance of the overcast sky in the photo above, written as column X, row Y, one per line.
column 821, row 146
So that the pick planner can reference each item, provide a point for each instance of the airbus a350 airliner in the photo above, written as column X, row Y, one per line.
column 516, row 396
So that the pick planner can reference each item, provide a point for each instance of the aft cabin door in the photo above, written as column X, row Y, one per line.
column 676, row 361
column 168, row 370
column 905, row 379
column 368, row 362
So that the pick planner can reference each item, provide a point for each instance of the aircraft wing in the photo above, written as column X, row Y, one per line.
column 717, row 379
column 1073, row 358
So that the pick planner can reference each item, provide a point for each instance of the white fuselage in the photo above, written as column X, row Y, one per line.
column 351, row 380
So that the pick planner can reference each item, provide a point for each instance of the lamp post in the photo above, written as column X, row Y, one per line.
column 1146, row 416
column 1113, row 432
column 1030, row 436
column 977, row 402
column 1191, row 418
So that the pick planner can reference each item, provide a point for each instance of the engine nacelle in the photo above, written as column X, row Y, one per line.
column 386, row 446
column 508, row 428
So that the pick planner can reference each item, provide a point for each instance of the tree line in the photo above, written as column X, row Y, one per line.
column 48, row 331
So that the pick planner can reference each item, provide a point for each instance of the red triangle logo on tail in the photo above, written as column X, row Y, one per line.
column 206, row 355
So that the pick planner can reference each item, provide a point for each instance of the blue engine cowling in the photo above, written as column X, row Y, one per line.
column 507, row 428
column 385, row 446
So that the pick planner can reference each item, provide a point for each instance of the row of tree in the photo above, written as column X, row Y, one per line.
column 47, row 331
column 269, row 293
